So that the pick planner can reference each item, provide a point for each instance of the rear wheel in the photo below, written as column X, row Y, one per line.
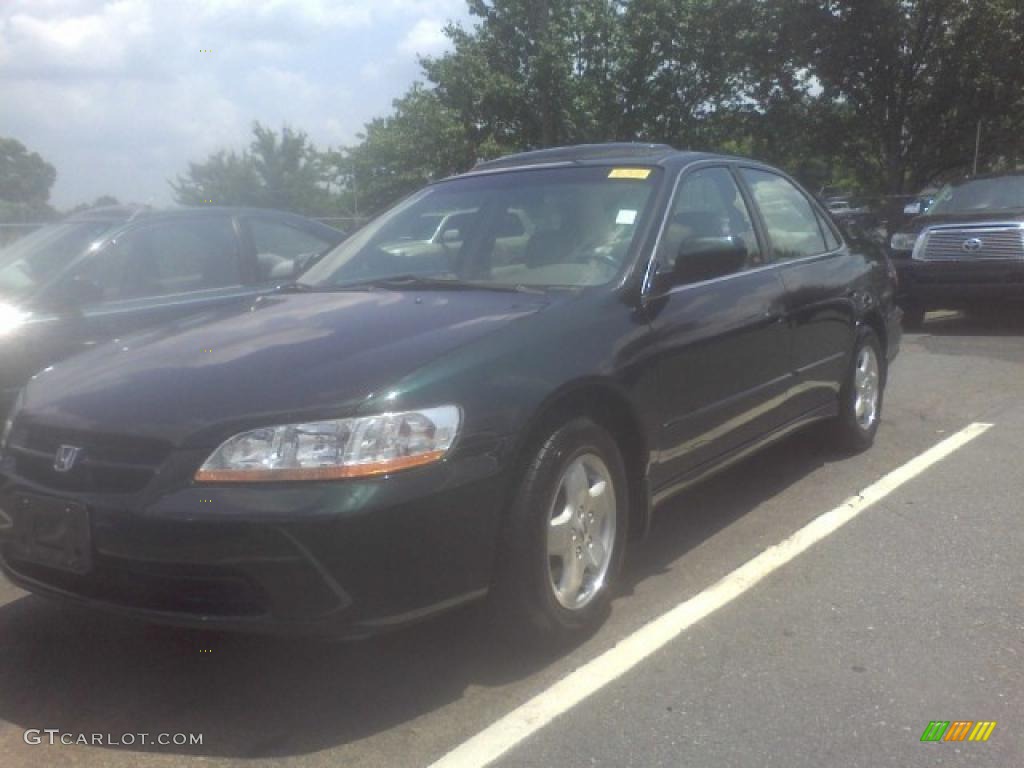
column 565, row 535
column 860, row 398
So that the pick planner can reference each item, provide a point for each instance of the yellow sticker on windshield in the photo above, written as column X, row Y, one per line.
column 630, row 173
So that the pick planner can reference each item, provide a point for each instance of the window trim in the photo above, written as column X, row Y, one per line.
column 647, row 289
column 243, row 222
column 826, row 228
column 205, row 296
column 815, row 209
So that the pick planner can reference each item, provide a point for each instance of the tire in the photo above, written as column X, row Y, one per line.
column 534, row 591
column 913, row 317
column 861, row 395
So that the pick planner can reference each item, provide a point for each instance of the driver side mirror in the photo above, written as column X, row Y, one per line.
column 705, row 258
column 303, row 262
column 451, row 236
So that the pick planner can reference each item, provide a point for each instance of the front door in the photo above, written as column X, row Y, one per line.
column 160, row 272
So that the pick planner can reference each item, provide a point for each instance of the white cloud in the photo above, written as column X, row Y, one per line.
column 117, row 95
column 426, row 38
column 116, row 39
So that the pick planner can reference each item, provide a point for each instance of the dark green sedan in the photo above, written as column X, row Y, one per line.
column 486, row 391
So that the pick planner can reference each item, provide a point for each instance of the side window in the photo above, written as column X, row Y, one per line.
column 278, row 245
column 708, row 207
column 166, row 258
column 830, row 236
column 98, row 275
column 790, row 219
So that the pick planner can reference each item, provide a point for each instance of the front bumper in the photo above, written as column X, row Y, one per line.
column 342, row 559
column 957, row 284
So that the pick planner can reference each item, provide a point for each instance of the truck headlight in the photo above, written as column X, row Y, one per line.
column 903, row 241
column 336, row 449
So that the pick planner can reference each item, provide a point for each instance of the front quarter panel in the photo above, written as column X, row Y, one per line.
column 503, row 382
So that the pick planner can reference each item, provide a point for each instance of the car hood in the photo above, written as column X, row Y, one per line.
column 914, row 226
column 289, row 357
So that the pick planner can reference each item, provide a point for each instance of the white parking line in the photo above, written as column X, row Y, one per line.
column 497, row 739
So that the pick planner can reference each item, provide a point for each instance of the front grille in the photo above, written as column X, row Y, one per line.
column 106, row 463
column 967, row 243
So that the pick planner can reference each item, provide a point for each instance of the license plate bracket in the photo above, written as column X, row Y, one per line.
column 52, row 532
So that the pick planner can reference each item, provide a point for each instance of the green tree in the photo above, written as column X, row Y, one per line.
column 283, row 171
column 25, row 182
column 99, row 202
column 532, row 73
column 910, row 81
column 535, row 73
column 683, row 70
column 421, row 141
column 882, row 96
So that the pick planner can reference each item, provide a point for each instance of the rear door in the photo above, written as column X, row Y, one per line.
column 721, row 342
column 819, row 273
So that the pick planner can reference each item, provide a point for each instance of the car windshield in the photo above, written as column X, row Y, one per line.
column 999, row 194
column 36, row 258
column 564, row 227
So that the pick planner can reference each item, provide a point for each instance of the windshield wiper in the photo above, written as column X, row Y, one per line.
column 295, row 287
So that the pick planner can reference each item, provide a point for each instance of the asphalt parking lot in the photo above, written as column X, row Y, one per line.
column 911, row 612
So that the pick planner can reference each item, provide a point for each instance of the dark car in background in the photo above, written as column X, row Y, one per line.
column 413, row 425
column 110, row 271
column 967, row 252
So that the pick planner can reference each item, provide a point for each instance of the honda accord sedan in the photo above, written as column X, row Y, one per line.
column 412, row 426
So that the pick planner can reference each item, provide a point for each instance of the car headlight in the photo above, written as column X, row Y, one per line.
column 903, row 241
column 11, row 318
column 336, row 449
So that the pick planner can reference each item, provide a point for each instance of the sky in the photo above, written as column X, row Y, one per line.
column 120, row 95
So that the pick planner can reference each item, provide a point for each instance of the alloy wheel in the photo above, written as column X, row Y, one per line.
column 866, row 382
column 581, row 532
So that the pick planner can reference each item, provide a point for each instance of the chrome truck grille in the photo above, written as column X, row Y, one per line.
column 969, row 243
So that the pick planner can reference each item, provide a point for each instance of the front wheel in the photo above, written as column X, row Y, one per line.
column 565, row 535
column 860, row 397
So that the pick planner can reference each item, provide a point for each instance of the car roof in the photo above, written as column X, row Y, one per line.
column 129, row 214
column 215, row 210
column 613, row 153
column 109, row 213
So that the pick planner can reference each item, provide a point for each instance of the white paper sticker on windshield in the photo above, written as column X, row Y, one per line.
column 626, row 217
